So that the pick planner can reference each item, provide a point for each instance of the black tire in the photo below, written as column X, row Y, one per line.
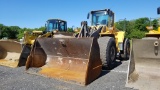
column 24, row 55
column 126, row 49
column 108, row 50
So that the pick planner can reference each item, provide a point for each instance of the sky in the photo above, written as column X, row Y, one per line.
column 35, row 13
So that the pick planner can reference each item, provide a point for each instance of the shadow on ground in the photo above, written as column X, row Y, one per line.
column 106, row 70
column 113, row 65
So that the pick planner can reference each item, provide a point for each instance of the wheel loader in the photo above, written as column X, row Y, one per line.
column 112, row 42
column 144, row 65
column 79, row 58
column 14, row 54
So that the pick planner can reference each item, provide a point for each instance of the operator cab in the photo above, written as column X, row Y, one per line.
column 102, row 17
column 56, row 24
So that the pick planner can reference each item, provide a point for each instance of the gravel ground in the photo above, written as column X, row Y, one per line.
column 18, row 79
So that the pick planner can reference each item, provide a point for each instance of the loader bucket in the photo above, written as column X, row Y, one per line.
column 69, row 59
column 144, row 66
column 9, row 53
column 13, row 54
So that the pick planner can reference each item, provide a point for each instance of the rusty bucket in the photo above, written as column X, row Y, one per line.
column 69, row 59
column 13, row 54
column 144, row 67
column 9, row 53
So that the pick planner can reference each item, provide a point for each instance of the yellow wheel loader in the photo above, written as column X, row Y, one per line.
column 64, row 56
column 144, row 66
column 79, row 58
column 111, row 41
column 14, row 54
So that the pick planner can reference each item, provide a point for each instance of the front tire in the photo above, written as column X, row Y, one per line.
column 108, row 50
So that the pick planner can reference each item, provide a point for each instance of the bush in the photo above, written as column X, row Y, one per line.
column 136, row 34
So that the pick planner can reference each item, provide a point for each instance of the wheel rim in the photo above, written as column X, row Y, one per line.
column 112, row 53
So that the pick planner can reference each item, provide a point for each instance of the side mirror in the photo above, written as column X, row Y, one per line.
column 158, row 10
column 88, row 16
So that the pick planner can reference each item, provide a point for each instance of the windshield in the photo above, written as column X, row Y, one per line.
column 99, row 18
column 52, row 25
column 56, row 25
column 62, row 26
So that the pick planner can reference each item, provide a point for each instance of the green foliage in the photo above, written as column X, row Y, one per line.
column 21, row 31
column 141, row 24
column 9, row 31
column 155, row 24
column 70, row 29
column 133, row 28
column 15, row 32
column 136, row 28
column 136, row 34
column 41, row 29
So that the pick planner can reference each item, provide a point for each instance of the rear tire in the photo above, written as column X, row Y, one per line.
column 126, row 49
column 108, row 50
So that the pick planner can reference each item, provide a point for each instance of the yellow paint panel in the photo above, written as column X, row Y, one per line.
column 120, row 36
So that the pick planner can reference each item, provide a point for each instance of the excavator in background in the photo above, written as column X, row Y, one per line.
column 14, row 54
column 80, row 58
column 144, row 66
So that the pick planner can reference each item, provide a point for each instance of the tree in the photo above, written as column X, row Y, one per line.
column 21, row 32
column 13, row 32
column 135, row 28
column 122, row 25
column 70, row 29
column 1, row 26
column 42, row 28
column 155, row 24
column 136, row 34
column 126, row 26
column 141, row 24
column 4, row 31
